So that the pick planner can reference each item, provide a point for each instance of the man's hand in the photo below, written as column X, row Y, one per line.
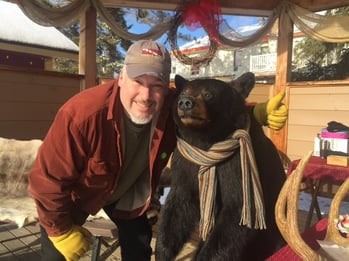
column 73, row 244
column 154, row 208
column 272, row 113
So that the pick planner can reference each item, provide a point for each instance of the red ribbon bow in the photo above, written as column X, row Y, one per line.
column 206, row 13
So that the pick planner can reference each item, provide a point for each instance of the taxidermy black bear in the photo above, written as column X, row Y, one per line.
column 225, row 176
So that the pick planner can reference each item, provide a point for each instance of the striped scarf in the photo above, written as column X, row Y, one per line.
column 208, row 184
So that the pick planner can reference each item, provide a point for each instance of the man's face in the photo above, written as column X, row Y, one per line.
column 141, row 97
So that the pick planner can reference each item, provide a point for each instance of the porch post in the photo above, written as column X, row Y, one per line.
column 283, row 73
column 87, row 45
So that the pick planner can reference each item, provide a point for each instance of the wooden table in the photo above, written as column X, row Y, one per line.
column 318, row 172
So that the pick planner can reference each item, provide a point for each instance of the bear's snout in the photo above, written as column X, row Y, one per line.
column 186, row 103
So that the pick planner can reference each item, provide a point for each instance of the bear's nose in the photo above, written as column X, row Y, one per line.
column 186, row 103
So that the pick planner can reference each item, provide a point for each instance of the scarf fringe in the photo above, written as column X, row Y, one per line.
column 250, row 172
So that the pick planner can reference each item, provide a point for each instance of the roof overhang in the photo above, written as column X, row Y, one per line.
column 38, row 50
column 236, row 7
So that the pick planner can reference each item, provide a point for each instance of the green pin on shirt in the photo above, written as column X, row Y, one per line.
column 163, row 155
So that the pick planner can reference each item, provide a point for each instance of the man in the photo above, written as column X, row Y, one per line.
column 106, row 149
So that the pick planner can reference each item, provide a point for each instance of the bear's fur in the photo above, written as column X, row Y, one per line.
column 207, row 111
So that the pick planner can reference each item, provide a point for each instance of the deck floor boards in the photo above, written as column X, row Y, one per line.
column 20, row 244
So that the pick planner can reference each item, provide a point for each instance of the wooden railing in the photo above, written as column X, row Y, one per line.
column 263, row 63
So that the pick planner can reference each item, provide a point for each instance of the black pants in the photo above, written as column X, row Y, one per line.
column 48, row 250
column 134, row 236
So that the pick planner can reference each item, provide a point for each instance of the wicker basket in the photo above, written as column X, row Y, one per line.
column 286, row 212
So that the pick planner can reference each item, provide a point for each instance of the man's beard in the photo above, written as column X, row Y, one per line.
column 141, row 121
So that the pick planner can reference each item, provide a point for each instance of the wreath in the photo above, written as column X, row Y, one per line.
column 204, row 14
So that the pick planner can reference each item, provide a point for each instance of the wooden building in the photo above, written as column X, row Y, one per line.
column 30, row 92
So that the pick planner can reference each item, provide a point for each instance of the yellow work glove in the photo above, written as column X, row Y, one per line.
column 73, row 244
column 272, row 113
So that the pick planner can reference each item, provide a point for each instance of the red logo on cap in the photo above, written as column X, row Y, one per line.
column 153, row 52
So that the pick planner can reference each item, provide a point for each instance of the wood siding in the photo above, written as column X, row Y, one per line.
column 29, row 101
column 311, row 107
column 261, row 93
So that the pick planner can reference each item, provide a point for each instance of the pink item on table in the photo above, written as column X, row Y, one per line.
column 334, row 135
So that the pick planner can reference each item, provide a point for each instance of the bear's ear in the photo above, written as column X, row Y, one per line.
column 244, row 84
column 180, row 82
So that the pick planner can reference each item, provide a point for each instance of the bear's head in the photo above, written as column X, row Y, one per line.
column 208, row 110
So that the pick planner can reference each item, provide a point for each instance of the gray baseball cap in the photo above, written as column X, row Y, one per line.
column 150, row 58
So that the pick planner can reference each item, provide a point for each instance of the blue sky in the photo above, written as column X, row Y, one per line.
column 235, row 22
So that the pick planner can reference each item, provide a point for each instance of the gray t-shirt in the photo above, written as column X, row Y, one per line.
column 133, row 187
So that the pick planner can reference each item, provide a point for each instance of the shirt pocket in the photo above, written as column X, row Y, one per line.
column 99, row 173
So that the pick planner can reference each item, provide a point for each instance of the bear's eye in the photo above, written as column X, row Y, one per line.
column 207, row 96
